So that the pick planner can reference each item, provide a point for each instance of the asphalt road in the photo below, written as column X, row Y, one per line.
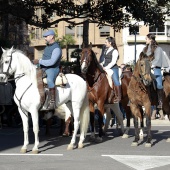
column 114, row 153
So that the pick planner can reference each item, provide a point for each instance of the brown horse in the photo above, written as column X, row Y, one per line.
column 140, row 94
column 99, row 90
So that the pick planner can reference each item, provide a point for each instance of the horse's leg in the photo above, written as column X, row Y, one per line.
column 128, row 117
column 141, row 124
column 25, row 125
column 67, row 124
column 35, row 121
column 135, row 142
column 92, row 127
column 108, row 118
column 100, row 121
column 76, row 114
column 119, row 115
column 148, row 126
column 92, row 122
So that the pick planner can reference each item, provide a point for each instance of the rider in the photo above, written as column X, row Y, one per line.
column 50, row 63
column 157, row 63
column 110, row 56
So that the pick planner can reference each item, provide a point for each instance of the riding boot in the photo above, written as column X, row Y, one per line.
column 51, row 104
column 118, row 94
column 160, row 97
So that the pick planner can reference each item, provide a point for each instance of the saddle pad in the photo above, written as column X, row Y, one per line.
column 60, row 80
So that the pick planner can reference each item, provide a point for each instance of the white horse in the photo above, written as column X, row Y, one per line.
column 27, row 97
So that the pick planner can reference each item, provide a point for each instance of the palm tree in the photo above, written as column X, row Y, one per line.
column 65, row 41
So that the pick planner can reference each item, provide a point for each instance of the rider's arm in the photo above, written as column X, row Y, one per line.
column 56, row 55
column 114, row 59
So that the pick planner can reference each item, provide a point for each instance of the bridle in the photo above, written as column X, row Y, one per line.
column 9, row 67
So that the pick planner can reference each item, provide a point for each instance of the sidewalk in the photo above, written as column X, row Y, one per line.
column 155, row 122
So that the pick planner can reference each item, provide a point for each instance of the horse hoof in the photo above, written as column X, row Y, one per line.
column 99, row 140
column 80, row 145
column 70, row 147
column 134, row 144
column 66, row 134
column 148, row 145
column 34, row 151
column 168, row 140
column 125, row 136
column 23, row 150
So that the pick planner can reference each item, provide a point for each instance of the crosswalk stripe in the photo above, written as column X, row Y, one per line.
column 141, row 162
column 13, row 154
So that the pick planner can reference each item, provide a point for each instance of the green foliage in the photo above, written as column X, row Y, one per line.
column 97, row 11
column 66, row 40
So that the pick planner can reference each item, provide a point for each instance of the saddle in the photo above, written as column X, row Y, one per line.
column 61, row 80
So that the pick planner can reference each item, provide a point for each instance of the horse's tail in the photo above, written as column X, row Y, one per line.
column 85, row 116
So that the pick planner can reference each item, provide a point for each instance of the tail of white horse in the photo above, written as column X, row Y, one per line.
column 84, row 116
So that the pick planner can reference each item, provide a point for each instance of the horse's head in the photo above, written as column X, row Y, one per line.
column 6, row 64
column 144, row 68
column 86, row 58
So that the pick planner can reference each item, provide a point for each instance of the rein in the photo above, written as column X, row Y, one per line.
column 19, row 100
column 139, row 81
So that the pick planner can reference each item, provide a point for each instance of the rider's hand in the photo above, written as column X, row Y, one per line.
column 35, row 61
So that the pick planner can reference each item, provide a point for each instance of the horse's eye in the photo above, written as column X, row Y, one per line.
column 6, row 62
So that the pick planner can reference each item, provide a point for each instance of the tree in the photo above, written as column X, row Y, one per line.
column 103, row 12
column 66, row 41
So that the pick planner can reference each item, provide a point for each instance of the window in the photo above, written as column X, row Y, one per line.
column 157, row 30
column 168, row 30
column 104, row 31
column 79, row 31
column 69, row 31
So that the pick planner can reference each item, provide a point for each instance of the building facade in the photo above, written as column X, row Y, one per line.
column 129, row 44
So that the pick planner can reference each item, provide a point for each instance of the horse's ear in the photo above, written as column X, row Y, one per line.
column 3, row 50
column 11, row 49
column 151, row 57
column 90, row 45
column 141, row 55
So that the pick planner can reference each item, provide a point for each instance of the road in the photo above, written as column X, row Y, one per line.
column 114, row 153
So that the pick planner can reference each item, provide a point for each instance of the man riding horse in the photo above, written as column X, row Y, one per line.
column 50, row 63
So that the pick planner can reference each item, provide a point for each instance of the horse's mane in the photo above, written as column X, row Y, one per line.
column 97, row 62
column 25, row 64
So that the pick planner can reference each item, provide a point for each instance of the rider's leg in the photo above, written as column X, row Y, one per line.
column 118, row 90
column 51, row 76
column 158, row 75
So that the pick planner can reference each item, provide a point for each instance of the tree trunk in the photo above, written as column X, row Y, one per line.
column 86, row 33
column 67, row 52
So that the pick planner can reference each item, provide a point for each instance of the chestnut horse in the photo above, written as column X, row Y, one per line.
column 140, row 94
column 99, row 90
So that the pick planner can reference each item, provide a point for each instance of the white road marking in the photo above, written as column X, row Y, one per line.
column 15, row 154
column 140, row 162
